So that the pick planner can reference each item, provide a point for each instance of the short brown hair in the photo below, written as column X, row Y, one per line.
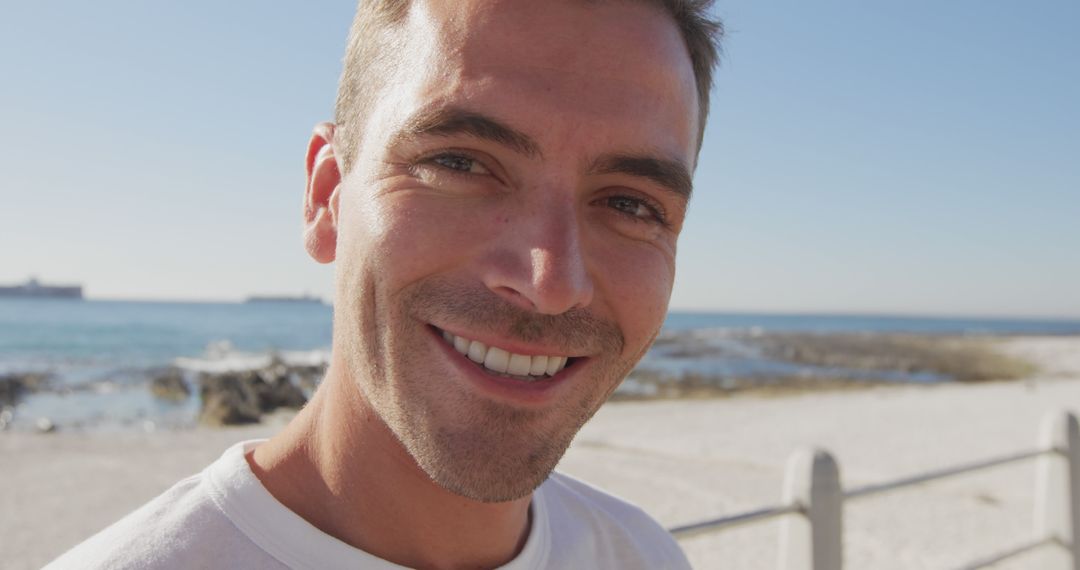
column 369, row 53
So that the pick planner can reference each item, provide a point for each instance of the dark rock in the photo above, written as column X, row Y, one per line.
column 309, row 377
column 229, row 399
column 276, row 390
column 14, row 386
column 242, row 397
column 10, row 390
column 170, row 385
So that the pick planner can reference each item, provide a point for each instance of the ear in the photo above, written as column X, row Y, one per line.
column 320, row 195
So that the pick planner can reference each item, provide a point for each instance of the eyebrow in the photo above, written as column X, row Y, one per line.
column 673, row 175
column 449, row 121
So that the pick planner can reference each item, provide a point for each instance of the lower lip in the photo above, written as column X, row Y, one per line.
column 537, row 392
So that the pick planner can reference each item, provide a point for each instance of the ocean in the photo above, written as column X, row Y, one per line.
column 101, row 353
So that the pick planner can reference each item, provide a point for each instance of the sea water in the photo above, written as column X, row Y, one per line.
column 101, row 354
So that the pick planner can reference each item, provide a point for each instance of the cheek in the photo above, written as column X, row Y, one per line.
column 636, row 282
column 411, row 236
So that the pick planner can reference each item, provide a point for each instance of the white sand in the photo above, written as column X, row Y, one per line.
column 681, row 460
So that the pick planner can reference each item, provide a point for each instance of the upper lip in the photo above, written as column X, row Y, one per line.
column 511, row 345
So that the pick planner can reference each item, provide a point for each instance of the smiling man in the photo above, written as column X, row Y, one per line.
column 502, row 193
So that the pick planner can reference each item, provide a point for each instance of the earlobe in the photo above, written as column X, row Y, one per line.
column 320, row 195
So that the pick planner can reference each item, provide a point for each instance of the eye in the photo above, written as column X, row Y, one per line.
column 636, row 208
column 458, row 163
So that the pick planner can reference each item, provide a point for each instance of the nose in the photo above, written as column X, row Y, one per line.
column 541, row 263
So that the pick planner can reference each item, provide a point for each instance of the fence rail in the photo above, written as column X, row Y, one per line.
column 812, row 535
column 870, row 490
column 713, row 525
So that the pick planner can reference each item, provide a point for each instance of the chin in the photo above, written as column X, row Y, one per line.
column 487, row 451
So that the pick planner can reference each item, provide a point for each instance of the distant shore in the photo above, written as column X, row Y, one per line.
column 710, row 456
column 796, row 361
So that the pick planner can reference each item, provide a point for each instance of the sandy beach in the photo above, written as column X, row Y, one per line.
column 682, row 460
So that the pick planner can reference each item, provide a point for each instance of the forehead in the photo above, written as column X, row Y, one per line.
column 618, row 69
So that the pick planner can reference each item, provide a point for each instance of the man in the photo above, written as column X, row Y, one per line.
column 502, row 193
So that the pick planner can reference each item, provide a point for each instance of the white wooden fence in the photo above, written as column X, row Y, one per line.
column 812, row 535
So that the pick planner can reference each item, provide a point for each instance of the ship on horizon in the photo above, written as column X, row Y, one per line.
column 34, row 289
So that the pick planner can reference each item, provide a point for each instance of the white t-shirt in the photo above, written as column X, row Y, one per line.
column 224, row 518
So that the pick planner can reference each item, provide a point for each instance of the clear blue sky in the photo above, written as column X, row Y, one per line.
column 917, row 157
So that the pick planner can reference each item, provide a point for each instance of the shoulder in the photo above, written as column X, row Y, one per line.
column 147, row 536
column 184, row 527
column 615, row 532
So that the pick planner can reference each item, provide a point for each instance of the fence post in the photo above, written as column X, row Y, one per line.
column 1057, row 489
column 814, row 539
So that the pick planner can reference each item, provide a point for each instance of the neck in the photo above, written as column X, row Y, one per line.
column 339, row 467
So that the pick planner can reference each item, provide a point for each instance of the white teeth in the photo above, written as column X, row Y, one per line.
column 519, row 365
column 499, row 360
column 555, row 364
column 477, row 351
column 538, row 366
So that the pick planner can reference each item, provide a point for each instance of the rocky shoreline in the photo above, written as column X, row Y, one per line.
column 222, row 398
column 684, row 364
column 815, row 361
column 242, row 397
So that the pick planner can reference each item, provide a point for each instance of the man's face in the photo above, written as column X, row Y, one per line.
column 520, row 183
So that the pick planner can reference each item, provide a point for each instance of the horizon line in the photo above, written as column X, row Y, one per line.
column 856, row 313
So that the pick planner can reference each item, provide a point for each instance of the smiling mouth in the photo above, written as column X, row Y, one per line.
column 508, row 364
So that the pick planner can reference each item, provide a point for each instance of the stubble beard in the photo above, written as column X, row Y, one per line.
column 500, row 454
column 472, row 446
